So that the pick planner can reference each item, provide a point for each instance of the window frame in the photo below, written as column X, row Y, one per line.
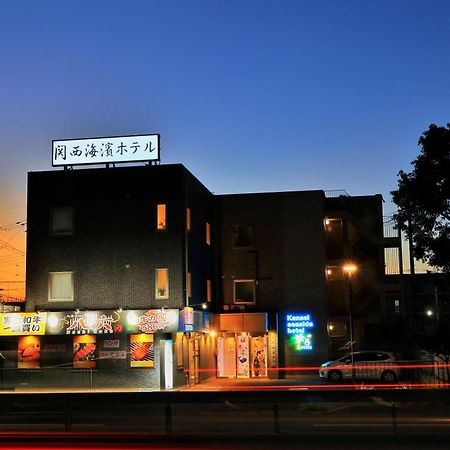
column 254, row 291
column 244, row 247
column 164, row 228
column 157, row 287
column 208, row 290
column 52, row 300
column 208, row 233
column 188, row 220
column 52, row 211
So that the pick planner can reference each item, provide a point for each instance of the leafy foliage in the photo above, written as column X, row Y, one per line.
column 423, row 199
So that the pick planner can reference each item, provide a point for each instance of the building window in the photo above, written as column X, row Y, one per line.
column 188, row 219
column 208, row 291
column 162, row 284
column 161, row 219
column 60, row 287
column 243, row 236
column 61, row 220
column 208, row 233
column 244, row 291
column 189, row 285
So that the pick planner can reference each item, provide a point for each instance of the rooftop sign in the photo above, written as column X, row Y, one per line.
column 71, row 152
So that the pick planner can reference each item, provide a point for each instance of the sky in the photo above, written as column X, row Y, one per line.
column 251, row 96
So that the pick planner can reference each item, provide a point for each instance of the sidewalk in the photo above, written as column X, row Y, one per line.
column 229, row 384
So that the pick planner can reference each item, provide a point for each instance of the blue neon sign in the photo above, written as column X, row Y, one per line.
column 298, row 328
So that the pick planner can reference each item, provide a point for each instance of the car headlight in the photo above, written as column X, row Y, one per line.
column 326, row 364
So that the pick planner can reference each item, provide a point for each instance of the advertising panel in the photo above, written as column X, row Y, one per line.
column 29, row 352
column 84, row 351
column 141, row 350
column 152, row 320
column 71, row 152
column 243, row 363
column 16, row 324
column 259, row 356
column 84, row 322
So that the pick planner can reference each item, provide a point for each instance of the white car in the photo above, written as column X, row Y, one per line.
column 367, row 365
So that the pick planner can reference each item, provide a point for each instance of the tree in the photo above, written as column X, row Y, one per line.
column 423, row 199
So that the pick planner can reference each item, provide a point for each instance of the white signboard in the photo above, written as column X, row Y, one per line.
column 106, row 150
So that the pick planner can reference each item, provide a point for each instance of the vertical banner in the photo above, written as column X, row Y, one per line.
column 29, row 352
column 142, row 350
column 259, row 356
column 84, row 351
column 243, row 363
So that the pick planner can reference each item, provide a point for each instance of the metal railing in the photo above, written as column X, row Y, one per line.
column 49, row 378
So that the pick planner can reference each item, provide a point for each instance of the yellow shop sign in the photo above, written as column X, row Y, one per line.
column 17, row 324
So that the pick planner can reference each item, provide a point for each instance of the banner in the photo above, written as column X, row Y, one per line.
column 259, row 356
column 243, row 363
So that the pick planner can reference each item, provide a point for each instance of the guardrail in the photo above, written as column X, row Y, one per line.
column 46, row 378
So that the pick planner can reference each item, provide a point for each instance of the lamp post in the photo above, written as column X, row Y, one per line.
column 349, row 269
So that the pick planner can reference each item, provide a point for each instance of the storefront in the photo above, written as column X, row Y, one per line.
column 132, row 348
column 246, row 348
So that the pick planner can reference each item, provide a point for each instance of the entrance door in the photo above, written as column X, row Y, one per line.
column 194, row 360
column 166, row 356
column 226, row 357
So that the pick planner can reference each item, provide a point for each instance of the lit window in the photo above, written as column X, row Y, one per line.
column 208, row 233
column 243, row 236
column 60, row 287
column 188, row 219
column 244, row 291
column 162, row 284
column 189, row 285
column 208, row 290
column 61, row 220
column 161, row 221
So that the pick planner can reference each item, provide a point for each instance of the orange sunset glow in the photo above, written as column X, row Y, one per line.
column 12, row 253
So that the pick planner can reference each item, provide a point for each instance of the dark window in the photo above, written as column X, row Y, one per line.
column 243, row 236
column 244, row 291
column 61, row 220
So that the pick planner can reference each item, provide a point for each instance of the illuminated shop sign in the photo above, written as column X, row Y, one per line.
column 152, row 320
column 186, row 320
column 298, row 328
column 105, row 150
column 17, row 324
column 190, row 320
column 84, row 322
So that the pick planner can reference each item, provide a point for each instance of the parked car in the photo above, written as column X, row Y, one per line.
column 367, row 365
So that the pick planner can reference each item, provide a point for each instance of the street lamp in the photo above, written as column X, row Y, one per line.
column 349, row 269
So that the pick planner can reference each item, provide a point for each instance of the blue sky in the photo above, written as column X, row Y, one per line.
column 249, row 95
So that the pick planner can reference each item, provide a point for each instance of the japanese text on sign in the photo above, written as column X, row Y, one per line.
column 106, row 150
column 22, row 323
